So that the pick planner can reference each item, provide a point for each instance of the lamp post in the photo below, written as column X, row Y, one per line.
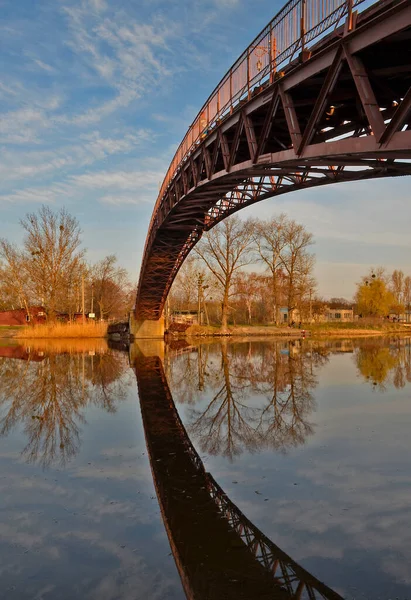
column 200, row 282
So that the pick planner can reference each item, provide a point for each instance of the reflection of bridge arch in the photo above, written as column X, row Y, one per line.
column 340, row 112
column 218, row 551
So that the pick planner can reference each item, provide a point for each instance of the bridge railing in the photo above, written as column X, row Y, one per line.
column 292, row 30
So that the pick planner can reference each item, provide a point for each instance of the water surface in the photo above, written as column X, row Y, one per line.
column 307, row 442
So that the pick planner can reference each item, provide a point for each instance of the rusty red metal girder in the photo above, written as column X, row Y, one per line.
column 343, row 115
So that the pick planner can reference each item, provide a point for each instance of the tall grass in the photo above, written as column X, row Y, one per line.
column 64, row 330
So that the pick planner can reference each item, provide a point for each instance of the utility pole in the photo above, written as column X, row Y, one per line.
column 311, row 306
column 199, row 289
column 82, row 298
column 204, row 287
column 166, row 313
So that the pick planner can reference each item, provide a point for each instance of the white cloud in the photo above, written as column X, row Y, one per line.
column 92, row 147
column 120, row 200
column 128, row 55
column 122, row 180
column 122, row 99
column 44, row 66
column 98, row 5
column 143, row 184
column 21, row 125
column 39, row 194
column 121, row 52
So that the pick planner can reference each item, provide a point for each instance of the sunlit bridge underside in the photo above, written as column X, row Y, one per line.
column 322, row 95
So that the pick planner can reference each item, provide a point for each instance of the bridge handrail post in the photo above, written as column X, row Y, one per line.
column 272, row 51
column 349, row 26
column 302, row 26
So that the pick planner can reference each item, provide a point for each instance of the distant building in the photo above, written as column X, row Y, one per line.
column 404, row 317
column 328, row 315
column 287, row 316
column 19, row 316
column 339, row 315
column 185, row 316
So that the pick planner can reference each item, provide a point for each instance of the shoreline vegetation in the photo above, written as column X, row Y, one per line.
column 62, row 331
column 313, row 330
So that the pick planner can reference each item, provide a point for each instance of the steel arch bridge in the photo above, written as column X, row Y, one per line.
column 321, row 96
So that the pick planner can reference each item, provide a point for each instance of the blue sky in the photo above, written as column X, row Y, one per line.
column 95, row 96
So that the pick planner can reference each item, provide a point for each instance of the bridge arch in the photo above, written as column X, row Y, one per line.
column 292, row 113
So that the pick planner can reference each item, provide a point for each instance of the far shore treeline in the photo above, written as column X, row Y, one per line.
column 241, row 272
column 255, row 271
column 51, row 269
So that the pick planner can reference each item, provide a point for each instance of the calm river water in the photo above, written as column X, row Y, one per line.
column 241, row 469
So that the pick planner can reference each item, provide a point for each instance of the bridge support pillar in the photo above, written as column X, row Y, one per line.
column 148, row 330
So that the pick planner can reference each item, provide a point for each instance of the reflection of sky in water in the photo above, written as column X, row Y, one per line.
column 327, row 479
column 340, row 503
column 91, row 529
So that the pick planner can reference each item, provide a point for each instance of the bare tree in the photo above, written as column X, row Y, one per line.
column 297, row 262
column 282, row 245
column 112, row 287
column 13, row 275
column 225, row 249
column 407, row 293
column 183, row 293
column 270, row 241
column 247, row 288
column 51, row 254
column 397, row 287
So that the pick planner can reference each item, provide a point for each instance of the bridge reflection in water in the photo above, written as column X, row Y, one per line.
column 219, row 553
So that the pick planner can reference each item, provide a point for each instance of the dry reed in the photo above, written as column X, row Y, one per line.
column 64, row 330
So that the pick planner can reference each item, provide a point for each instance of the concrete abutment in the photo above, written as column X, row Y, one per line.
column 143, row 329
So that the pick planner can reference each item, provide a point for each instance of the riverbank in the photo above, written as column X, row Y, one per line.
column 313, row 330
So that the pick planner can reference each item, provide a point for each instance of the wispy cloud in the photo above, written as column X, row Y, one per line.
column 130, row 187
column 21, row 125
column 44, row 66
column 35, row 195
column 129, row 56
column 121, row 200
column 122, row 180
column 91, row 148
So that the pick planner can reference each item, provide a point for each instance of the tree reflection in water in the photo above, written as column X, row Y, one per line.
column 282, row 373
column 261, row 394
column 47, row 393
column 383, row 364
